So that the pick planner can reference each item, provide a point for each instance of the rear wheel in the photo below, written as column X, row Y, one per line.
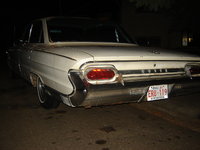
column 47, row 97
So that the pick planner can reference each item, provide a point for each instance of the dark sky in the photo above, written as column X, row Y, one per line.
column 32, row 9
column 18, row 13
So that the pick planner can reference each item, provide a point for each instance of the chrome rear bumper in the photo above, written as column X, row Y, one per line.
column 88, row 95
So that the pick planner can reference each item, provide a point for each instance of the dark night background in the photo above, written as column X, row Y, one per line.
column 16, row 14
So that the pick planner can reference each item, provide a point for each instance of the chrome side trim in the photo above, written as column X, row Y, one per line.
column 153, row 71
column 55, row 54
column 150, row 78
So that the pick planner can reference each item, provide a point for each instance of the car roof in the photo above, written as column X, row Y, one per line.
column 75, row 20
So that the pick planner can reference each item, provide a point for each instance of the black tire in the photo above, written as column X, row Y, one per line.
column 47, row 97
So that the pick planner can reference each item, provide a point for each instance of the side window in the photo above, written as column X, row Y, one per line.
column 36, row 33
column 26, row 34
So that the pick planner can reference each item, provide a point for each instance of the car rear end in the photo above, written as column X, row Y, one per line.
column 123, row 81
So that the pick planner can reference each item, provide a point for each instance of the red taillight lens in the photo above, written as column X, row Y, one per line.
column 100, row 74
column 195, row 70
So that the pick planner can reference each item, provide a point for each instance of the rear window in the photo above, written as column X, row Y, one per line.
column 69, row 30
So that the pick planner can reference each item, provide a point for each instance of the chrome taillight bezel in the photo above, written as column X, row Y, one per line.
column 87, row 69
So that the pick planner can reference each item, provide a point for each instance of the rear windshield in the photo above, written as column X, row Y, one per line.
column 62, row 30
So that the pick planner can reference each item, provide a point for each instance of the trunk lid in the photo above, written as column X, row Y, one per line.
column 119, row 52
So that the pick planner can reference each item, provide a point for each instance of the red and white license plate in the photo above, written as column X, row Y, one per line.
column 157, row 92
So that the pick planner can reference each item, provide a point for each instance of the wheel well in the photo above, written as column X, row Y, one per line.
column 33, row 79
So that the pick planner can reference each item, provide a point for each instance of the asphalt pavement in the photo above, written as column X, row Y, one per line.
column 181, row 110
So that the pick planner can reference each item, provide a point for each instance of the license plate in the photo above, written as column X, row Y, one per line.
column 157, row 92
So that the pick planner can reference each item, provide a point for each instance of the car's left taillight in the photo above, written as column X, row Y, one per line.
column 100, row 74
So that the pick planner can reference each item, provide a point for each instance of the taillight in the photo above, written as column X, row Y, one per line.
column 194, row 70
column 100, row 74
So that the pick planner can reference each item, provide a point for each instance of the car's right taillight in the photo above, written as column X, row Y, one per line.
column 193, row 70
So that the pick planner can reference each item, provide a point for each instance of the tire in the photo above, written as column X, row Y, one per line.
column 48, row 98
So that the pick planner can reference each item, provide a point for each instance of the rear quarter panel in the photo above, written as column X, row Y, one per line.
column 53, row 70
